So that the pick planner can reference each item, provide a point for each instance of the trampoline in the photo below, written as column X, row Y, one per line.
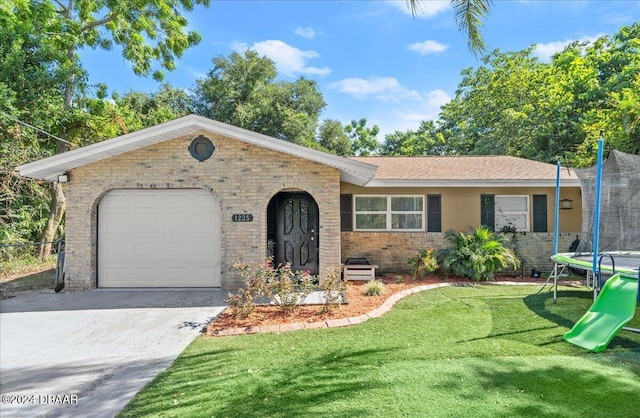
column 625, row 263
column 609, row 224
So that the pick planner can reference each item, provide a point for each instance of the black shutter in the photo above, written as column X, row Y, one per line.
column 346, row 212
column 539, row 213
column 488, row 211
column 434, row 213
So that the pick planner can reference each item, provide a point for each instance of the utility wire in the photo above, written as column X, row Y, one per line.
column 37, row 129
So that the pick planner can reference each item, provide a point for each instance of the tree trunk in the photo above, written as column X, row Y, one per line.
column 56, row 212
column 58, row 200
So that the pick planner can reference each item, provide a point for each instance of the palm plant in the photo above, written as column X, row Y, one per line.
column 469, row 15
column 477, row 255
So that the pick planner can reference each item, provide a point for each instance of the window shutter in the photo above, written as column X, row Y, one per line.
column 539, row 213
column 434, row 213
column 488, row 211
column 346, row 212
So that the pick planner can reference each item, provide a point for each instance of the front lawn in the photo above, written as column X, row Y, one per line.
column 483, row 351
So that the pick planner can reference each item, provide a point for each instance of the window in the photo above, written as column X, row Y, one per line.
column 512, row 211
column 389, row 213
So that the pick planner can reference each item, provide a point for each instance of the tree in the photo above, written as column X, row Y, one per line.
column 425, row 141
column 516, row 105
column 469, row 15
column 242, row 90
column 333, row 138
column 148, row 31
column 142, row 110
column 364, row 140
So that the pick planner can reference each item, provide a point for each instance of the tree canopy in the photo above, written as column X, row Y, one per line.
column 242, row 90
column 515, row 104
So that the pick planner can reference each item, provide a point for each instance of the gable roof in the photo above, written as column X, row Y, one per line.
column 465, row 171
column 351, row 171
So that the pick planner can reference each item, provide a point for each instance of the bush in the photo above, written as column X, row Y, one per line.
column 374, row 288
column 284, row 287
column 333, row 288
column 476, row 255
column 424, row 262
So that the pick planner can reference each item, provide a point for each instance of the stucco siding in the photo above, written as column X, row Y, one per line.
column 461, row 205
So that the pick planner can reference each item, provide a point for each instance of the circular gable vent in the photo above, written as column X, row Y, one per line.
column 201, row 148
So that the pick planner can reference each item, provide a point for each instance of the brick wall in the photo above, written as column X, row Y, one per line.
column 243, row 178
column 390, row 250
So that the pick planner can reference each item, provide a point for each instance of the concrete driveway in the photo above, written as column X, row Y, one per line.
column 87, row 354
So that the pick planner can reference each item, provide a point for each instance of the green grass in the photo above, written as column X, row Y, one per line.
column 484, row 351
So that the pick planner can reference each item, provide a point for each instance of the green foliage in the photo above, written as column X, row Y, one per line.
column 424, row 262
column 374, row 288
column 241, row 90
column 333, row 138
column 282, row 286
column 514, row 104
column 427, row 140
column 476, row 255
column 469, row 16
column 364, row 140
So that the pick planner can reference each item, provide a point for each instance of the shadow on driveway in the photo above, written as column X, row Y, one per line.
column 100, row 346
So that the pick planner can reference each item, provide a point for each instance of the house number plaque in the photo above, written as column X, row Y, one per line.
column 242, row 217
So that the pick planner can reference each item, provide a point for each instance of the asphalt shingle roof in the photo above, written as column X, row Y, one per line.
column 460, row 168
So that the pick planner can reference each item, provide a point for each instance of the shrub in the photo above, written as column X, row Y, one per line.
column 424, row 262
column 333, row 288
column 399, row 279
column 374, row 288
column 476, row 255
column 284, row 287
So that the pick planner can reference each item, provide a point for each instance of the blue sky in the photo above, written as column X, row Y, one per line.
column 370, row 59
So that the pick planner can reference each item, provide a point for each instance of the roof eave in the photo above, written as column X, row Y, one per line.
column 351, row 171
column 470, row 183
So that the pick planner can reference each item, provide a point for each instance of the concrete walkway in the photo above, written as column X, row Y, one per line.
column 87, row 354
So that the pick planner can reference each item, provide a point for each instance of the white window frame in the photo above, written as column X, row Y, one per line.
column 388, row 213
column 502, row 217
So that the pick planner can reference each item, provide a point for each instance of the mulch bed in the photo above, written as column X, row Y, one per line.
column 358, row 304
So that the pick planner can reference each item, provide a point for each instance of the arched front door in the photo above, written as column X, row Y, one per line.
column 293, row 230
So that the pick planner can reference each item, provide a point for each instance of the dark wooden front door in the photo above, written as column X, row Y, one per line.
column 296, row 216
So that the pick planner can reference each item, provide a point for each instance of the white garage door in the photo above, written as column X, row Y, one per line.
column 159, row 238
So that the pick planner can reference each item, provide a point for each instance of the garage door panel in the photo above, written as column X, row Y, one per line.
column 159, row 238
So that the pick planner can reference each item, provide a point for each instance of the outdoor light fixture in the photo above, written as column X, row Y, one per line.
column 63, row 178
column 566, row 204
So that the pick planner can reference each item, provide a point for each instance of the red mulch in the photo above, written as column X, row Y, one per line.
column 358, row 304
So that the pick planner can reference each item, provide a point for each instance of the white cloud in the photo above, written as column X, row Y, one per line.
column 238, row 46
column 428, row 47
column 426, row 9
column 290, row 61
column 546, row 51
column 382, row 88
column 360, row 87
column 307, row 33
column 404, row 108
column 410, row 115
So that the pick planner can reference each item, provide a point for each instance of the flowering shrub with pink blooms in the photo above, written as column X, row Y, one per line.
column 282, row 286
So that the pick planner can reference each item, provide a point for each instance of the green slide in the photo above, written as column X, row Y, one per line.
column 614, row 307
